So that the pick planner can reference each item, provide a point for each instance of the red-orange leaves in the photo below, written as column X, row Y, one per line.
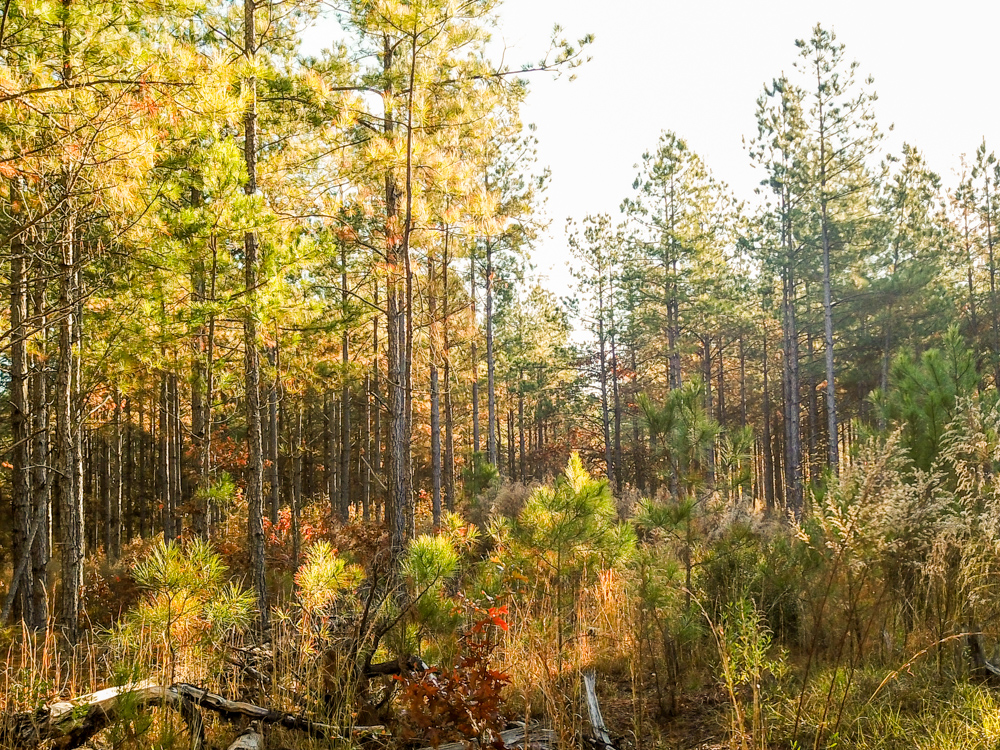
column 463, row 703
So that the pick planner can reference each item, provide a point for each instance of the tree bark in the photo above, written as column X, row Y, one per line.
column 255, row 457
column 296, row 499
column 435, row 397
column 20, row 421
column 115, row 517
column 67, row 493
column 345, row 397
column 769, row 489
column 449, row 413
column 273, row 431
column 602, row 370
column 474, row 354
column 491, row 428
column 40, row 490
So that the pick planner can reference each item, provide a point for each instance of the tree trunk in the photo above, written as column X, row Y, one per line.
column 177, row 454
column 602, row 370
column 831, row 392
column 296, row 499
column 255, row 453
column 40, row 491
column 163, row 484
column 376, row 454
column 616, row 395
column 706, row 344
column 365, row 469
column 345, row 398
column 115, row 520
column 329, row 453
column 67, row 494
column 435, row 397
column 474, row 354
column 491, row 429
column 449, row 414
column 769, row 494
column 743, row 383
column 994, row 311
column 522, row 469
column 790, row 370
column 20, row 422
column 207, row 419
column 273, row 431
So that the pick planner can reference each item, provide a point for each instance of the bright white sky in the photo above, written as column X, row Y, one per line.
column 697, row 67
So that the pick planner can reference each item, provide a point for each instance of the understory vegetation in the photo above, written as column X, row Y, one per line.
column 295, row 439
column 863, row 625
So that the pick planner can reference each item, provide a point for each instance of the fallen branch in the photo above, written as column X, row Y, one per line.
column 251, row 739
column 522, row 737
column 601, row 736
column 395, row 667
column 70, row 724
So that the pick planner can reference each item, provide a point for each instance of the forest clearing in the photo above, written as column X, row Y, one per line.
column 299, row 450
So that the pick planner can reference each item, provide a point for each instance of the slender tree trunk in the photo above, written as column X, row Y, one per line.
column 994, row 311
column 40, row 492
column 345, row 398
column 144, row 469
column 101, row 468
column 474, row 354
column 255, row 453
column 813, row 416
column 397, row 500
column 67, row 491
column 329, row 460
column 177, row 454
column 616, row 396
column 449, row 413
column 602, row 369
column 435, row 397
column 115, row 455
column 721, row 388
column 297, row 461
column 769, row 493
column 20, row 423
column 743, row 383
column 511, row 464
column 70, row 503
column 638, row 456
column 207, row 419
column 491, row 429
column 365, row 468
column 673, row 305
column 273, row 431
column 790, row 365
column 831, row 391
column 523, row 469
column 163, row 465
column 970, row 267
column 706, row 344
column 376, row 454
column 200, row 294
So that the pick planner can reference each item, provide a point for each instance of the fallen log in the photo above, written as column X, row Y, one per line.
column 394, row 667
column 251, row 739
column 601, row 736
column 526, row 738
column 71, row 724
